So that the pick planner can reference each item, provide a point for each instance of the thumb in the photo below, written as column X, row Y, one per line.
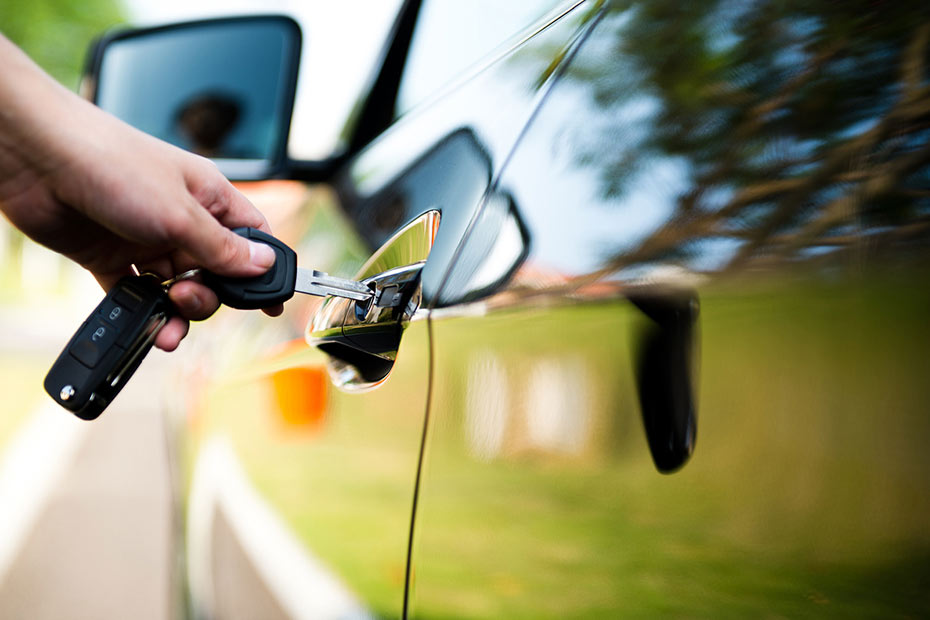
column 222, row 251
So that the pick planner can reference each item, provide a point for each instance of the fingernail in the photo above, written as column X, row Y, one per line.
column 261, row 254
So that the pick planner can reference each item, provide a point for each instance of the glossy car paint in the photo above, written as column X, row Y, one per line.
column 670, row 358
column 807, row 490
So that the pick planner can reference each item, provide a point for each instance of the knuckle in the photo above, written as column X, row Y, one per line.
column 208, row 164
column 200, row 163
column 230, row 250
column 177, row 222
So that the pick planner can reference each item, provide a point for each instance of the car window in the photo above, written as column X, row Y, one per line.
column 452, row 36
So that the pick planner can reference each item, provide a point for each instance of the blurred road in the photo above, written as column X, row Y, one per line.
column 87, row 528
column 86, row 522
column 98, row 545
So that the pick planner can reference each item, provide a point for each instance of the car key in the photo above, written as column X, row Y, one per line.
column 281, row 281
column 109, row 346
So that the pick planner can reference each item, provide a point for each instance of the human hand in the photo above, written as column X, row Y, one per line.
column 110, row 197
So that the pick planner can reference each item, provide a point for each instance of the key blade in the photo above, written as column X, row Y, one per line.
column 312, row 282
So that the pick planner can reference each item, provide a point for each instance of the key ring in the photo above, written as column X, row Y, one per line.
column 187, row 275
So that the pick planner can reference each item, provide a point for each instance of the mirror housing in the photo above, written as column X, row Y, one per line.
column 222, row 88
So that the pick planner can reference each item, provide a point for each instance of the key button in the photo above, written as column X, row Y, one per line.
column 127, row 299
column 93, row 342
column 114, row 313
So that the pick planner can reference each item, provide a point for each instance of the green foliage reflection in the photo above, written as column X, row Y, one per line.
column 801, row 127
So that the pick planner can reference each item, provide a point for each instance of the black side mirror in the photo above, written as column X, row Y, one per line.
column 222, row 88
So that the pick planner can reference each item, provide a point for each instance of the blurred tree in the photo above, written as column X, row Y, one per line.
column 56, row 33
column 803, row 126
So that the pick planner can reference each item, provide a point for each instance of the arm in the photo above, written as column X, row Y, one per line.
column 108, row 196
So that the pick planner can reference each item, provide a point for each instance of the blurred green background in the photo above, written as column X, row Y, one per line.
column 56, row 34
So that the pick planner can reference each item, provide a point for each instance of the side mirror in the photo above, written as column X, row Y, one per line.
column 222, row 88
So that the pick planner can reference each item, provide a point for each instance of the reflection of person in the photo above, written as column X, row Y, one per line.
column 206, row 120
column 108, row 196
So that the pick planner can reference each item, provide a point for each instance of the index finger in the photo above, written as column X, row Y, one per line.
column 203, row 228
column 221, row 199
column 213, row 246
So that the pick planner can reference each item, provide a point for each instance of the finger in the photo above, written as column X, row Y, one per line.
column 240, row 211
column 219, row 197
column 108, row 280
column 216, row 207
column 107, row 277
column 193, row 300
column 274, row 310
column 172, row 333
column 217, row 248
column 222, row 199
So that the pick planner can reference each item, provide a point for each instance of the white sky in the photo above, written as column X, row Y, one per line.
column 341, row 41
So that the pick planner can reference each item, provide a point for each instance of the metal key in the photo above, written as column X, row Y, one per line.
column 281, row 281
column 109, row 346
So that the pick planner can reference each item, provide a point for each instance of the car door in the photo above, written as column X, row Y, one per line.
column 678, row 361
column 337, row 478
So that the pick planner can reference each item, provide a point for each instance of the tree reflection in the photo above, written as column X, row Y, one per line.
column 803, row 126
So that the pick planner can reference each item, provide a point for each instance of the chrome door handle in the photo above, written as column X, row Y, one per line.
column 361, row 338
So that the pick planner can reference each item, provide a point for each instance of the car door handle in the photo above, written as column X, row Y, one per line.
column 361, row 339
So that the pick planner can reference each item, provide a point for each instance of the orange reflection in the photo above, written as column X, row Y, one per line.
column 300, row 397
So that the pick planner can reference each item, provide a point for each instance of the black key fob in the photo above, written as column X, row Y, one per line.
column 109, row 346
column 273, row 287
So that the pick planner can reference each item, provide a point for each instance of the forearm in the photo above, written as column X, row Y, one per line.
column 33, row 106
column 58, row 153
